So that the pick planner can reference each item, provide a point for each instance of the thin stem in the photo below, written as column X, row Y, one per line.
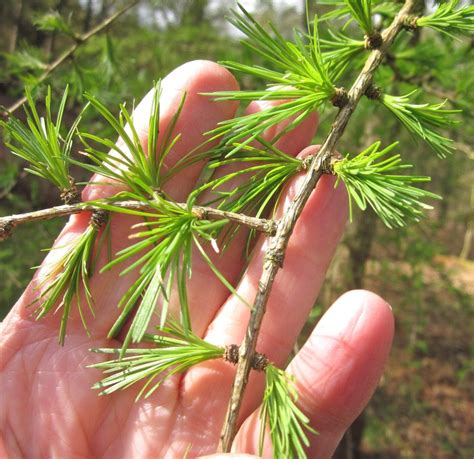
column 8, row 223
column 278, row 244
column 78, row 41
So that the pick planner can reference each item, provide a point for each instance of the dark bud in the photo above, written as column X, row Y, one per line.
column 6, row 229
column 340, row 98
column 231, row 354
column 259, row 362
column 374, row 41
column 71, row 195
column 99, row 218
column 373, row 92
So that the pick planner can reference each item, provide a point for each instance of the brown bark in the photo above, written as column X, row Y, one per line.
column 7, row 224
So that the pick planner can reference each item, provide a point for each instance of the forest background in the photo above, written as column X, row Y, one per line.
column 424, row 406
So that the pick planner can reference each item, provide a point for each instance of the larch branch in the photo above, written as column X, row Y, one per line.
column 278, row 244
column 8, row 223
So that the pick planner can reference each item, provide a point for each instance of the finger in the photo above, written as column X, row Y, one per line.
column 336, row 371
column 296, row 286
column 199, row 115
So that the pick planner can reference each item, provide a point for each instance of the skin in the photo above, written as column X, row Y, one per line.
column 48, row 408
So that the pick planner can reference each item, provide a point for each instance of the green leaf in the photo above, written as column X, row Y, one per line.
column 287, row 423
column 65, row 280
column 163, row 258
column 163, row 253
column 53, row 22
column 301, row 76
column 41, row 143
column 370, row 180
column 449, row 20
column 384, row 8
column 172, row 354
column 25, row 61
column 421, row 119
column 361, row 11
column 342, row 50
column 262, row 171
column 138, row 167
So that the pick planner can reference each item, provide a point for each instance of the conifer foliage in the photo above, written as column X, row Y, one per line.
column 305, row 72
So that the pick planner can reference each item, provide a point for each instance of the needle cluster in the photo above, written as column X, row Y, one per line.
column 66, row 278
column 54, row 22
column 300, row 76
column 361, row 11
column 164, row 252
column 41, row 143
column 370, row 180
column 139, row 168
column 168, row 356
column 450, row 20
column 288, row 425
column 422, row 120
column 341, row 49
column 261, row 171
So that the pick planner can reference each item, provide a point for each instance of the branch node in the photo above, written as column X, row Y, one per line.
column 271, row 228
column 409, row 22
column 99, row 218
column 327, row 167
column 373, row 41
column 373, row 92
column 305, row 163
column 340, row 98
column 71, row 195
column 274, row 257
column 259, row 362
column 6, row 230
column 200, row 213
column 231, row 354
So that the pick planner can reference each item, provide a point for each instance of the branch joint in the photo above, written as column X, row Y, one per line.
column 71, row 195
column 373, row 41
column 200, row 213
column 274, row 257
column 99, row 218
column 409, row 22
column 340, row 97
column 259, row 361
column 373, row 92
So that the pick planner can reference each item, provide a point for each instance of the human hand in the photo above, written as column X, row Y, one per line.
column 48, row 408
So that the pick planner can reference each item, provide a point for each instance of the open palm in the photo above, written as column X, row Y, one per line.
column 47, row 407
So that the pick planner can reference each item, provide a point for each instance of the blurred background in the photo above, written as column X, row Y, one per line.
column 424, row 407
